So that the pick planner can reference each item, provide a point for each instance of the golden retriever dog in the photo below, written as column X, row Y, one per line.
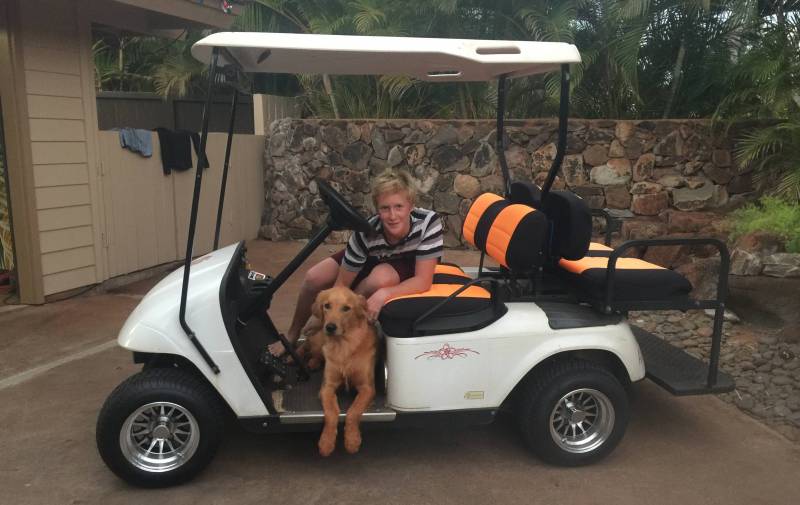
column 349, row 344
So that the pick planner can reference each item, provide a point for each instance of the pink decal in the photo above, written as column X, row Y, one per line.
column 447, row 352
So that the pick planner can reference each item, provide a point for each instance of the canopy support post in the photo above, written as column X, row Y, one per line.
column 563, row 112
column 234, row 104
column 500, row 144
column 198, row 180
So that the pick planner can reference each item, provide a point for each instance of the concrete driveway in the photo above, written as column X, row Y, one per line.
column 57, row 365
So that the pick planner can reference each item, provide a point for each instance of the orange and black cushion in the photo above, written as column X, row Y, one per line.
column 634, row 279
column 526, row 193
column 447, row 273
column 571, row 224
column 598, row 249
column 470, row 310
column 512, row 234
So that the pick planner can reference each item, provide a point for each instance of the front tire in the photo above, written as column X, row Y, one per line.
column 160, row 427
column 573, row 413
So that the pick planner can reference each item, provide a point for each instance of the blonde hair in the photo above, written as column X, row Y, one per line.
column 393, row 181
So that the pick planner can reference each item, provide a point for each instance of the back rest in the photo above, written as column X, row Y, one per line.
column 526, row 193
column 571, row 222
column 570, row 219
column 512, row 234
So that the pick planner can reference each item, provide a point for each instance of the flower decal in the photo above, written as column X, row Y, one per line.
column 447, row 352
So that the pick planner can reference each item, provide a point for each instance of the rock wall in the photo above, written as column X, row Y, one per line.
column 661, row 177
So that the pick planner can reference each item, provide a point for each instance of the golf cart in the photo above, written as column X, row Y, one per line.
column 542, row 335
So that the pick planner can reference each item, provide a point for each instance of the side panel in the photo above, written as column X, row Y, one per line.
column 479, row 369
column 154, row 327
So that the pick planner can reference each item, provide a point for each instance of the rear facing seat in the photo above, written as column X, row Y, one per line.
column 584, row 264
column 634, row 280
column 521, row 238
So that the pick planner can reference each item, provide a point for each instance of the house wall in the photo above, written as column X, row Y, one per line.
column 147, row 212
column 58, row 177
column 59, row 94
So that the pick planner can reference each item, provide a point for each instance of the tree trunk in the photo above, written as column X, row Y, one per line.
column 677, row 72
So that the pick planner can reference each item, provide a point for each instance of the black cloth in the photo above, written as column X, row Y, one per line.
column 571, row 224
column 176, row 149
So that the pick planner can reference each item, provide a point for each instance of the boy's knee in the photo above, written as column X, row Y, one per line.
column 384, row 276
column 314, row 281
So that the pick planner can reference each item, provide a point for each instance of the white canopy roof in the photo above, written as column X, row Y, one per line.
column 423, row 58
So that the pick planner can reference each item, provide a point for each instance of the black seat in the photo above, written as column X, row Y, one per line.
column 635, row 280
column 470, row 310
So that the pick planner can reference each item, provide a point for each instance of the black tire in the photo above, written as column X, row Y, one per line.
column 173, row 387
column 589, row 386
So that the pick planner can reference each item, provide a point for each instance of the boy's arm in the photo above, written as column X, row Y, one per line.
column 345, row 277
column 422, row 280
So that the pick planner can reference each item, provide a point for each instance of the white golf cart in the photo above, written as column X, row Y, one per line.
column 543, row 335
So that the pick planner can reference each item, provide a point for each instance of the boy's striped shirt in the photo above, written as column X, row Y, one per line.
column 424, row 241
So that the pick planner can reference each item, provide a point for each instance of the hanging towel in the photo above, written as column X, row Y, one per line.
column 202, row 162
column 137, row 140
column 176, row 149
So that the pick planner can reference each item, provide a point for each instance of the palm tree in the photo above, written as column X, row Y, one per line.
column 764, row 85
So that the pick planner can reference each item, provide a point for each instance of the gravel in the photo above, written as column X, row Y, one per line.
column 766, row 370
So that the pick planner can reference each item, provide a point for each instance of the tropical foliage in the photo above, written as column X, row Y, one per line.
column 141, row 63
column 770, row 214
column 765, row 85
column 727, row 59
column 6, row 243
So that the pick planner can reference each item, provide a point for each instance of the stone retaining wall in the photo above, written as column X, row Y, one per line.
column 662, row 177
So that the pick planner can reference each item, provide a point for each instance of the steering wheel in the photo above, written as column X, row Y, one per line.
column 343, row 215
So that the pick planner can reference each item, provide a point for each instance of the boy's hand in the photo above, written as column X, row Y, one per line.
column 375, row 303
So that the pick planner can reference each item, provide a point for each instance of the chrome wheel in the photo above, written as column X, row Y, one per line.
column 159, row 437
column 582, row 420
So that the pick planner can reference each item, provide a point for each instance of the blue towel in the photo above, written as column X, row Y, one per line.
column 137, row 140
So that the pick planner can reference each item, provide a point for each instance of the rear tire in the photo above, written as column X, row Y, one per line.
column 160, row 427
column 573, row 413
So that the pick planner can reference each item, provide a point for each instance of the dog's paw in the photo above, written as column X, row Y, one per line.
column 326, row 445
column 352, row 441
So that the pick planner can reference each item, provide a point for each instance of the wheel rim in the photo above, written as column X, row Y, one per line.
column 159, row 437
column 582, row 420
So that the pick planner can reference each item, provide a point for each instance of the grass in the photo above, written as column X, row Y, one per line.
column 769, row 214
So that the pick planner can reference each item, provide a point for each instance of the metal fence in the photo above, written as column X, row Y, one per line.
column 146, row 110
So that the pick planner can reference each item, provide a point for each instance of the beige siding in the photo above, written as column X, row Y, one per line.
column 58, row 93
column 54, row 107
column 60, row 130
column 65, row 217
column 50, row 153
column 71, row 259
column 147, row 213
column 53, row 84
column 66, row 174
column 69, row 279
column 62, row 196
column 139, row 210
column 47, row 59
column 243, row 198
column 67, row 238
column 103, row 211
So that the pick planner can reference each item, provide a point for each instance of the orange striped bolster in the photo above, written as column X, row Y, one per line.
column 477, row 209
column 594, row 246
column 445, row 290
column 583, row 264
column 449, row 270
column 502, row 229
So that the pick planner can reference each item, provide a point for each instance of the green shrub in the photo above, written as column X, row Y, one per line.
column 770, row 214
